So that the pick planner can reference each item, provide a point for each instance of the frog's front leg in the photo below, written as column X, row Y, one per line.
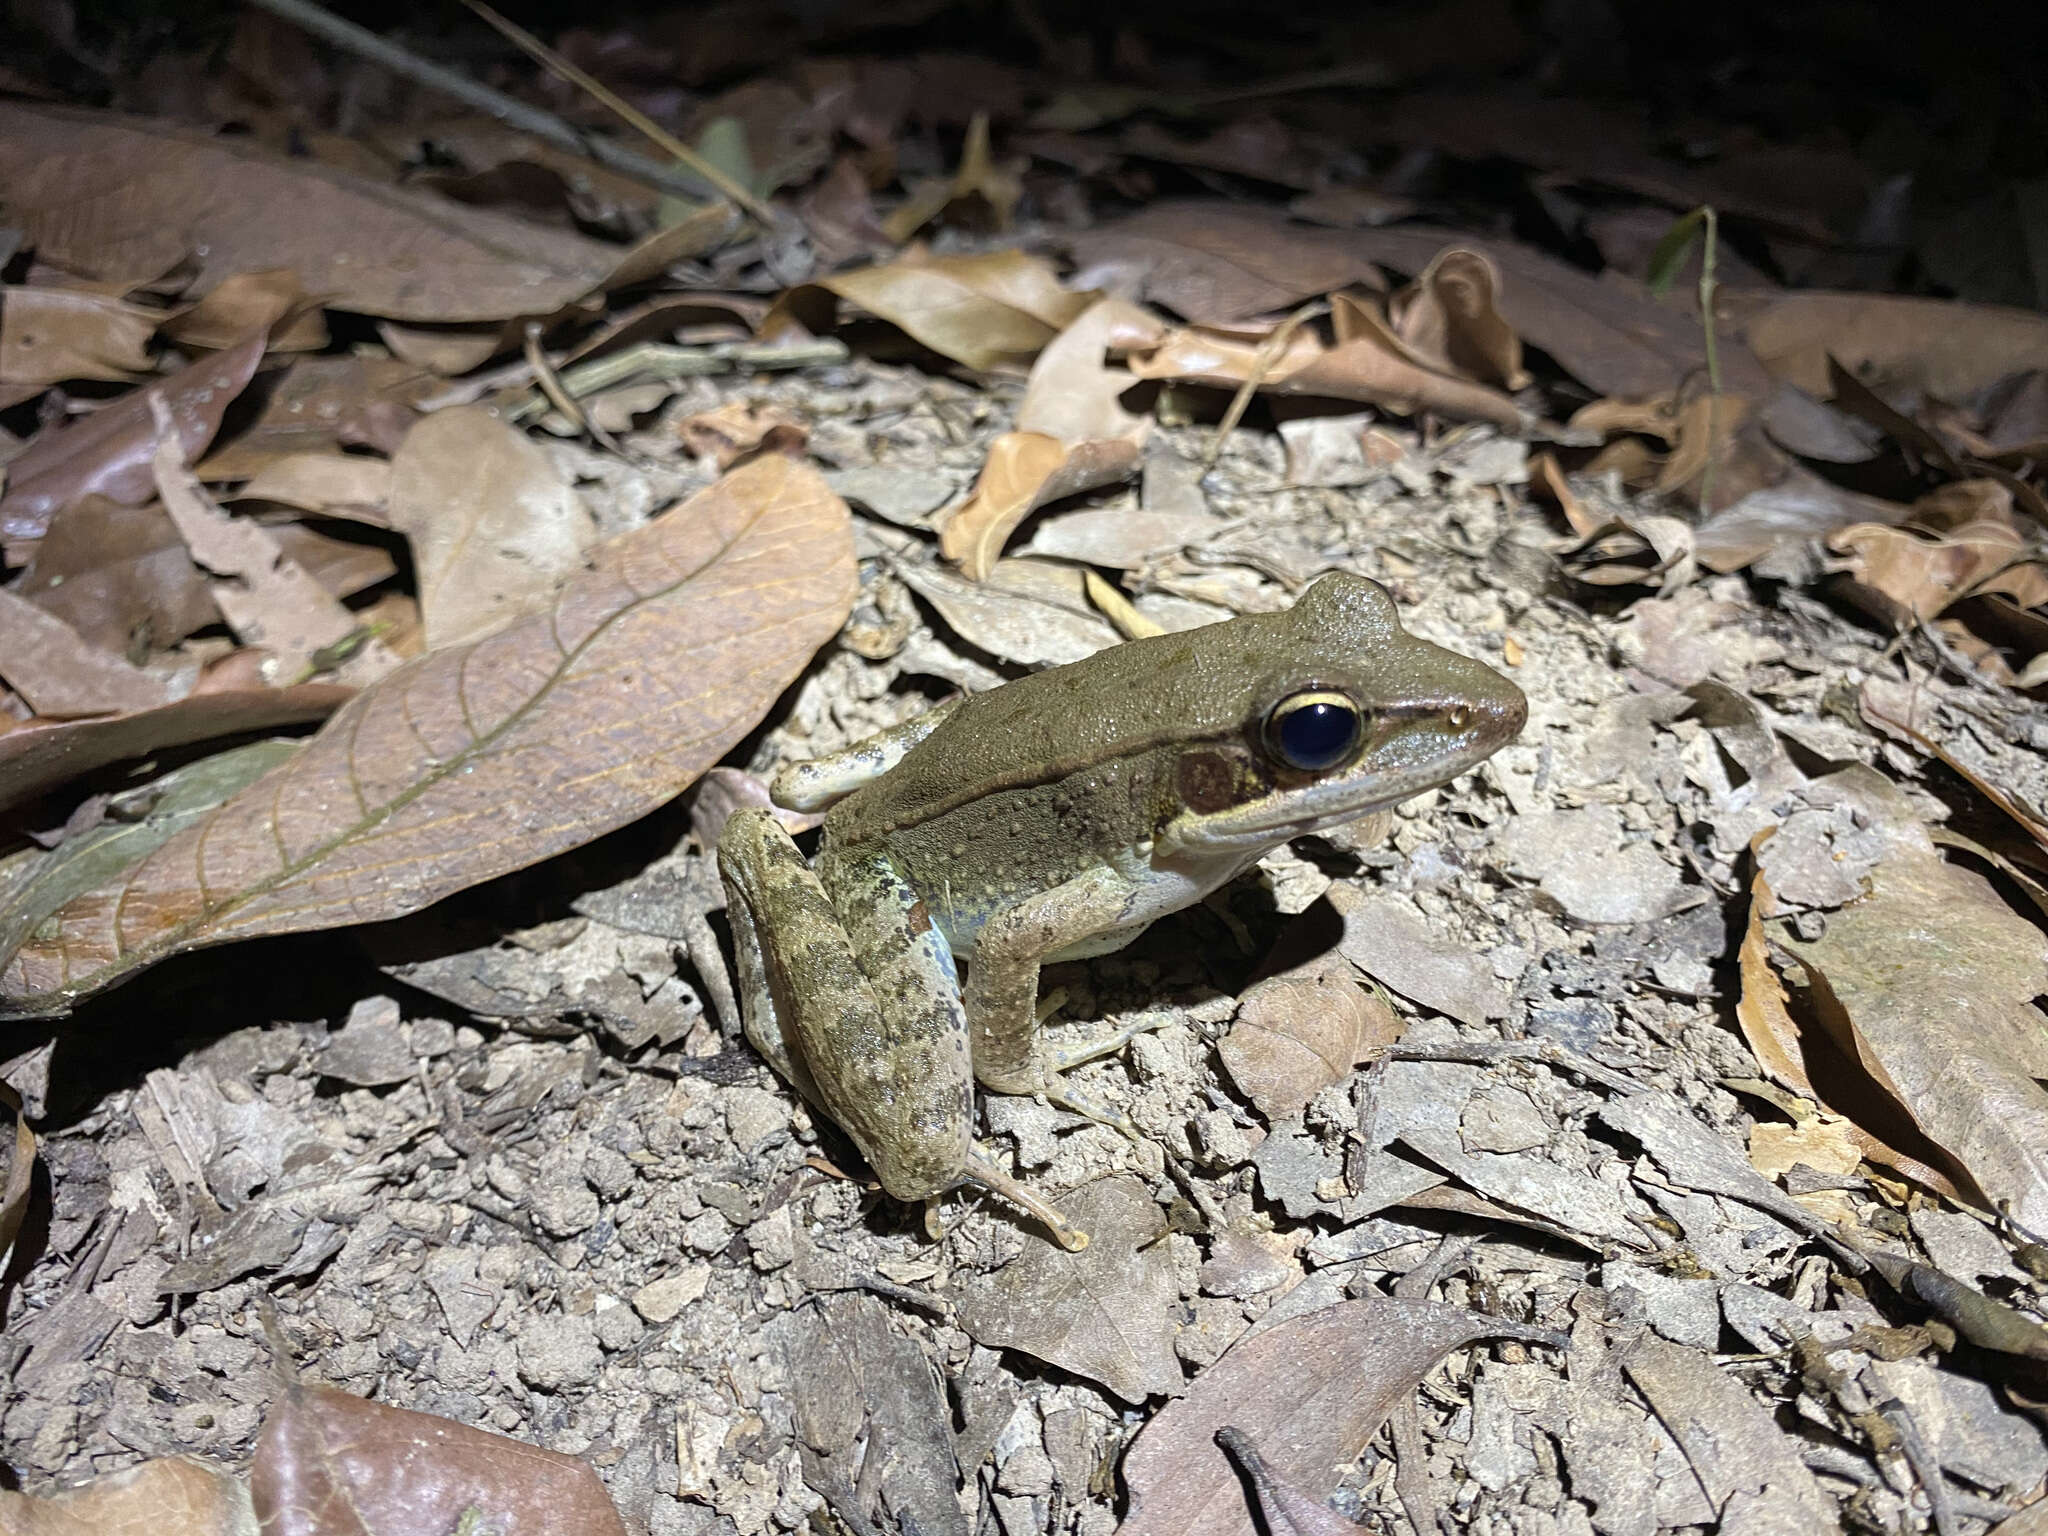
column 1010, row 1054
column 857, row 1003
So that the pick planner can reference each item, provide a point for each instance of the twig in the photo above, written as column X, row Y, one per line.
column 518, row 114
column 626, row 112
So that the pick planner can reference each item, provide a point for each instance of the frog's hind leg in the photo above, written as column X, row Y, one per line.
column 880, row 1046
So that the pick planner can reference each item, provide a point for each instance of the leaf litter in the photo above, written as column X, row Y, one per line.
column 1710, row 1008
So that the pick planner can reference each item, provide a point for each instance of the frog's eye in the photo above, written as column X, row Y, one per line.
column 1314, row 731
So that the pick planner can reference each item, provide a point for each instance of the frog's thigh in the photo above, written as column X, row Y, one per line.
column 1002, row 984
column 868, row 1055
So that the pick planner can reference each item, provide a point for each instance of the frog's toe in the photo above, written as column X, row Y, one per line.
column 979, row 1170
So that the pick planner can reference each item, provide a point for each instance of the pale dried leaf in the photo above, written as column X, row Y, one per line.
column 1072, row 435
column 1913, row 577
column 49, row 335
column 350, row 485
column 495, row 530
column 492, row 756
column 1296, row 1034
column 984, row 310
column 176, row 1496
column 1929, row 984
column 1034, row 612
column 268, row 599
column 1385, row 938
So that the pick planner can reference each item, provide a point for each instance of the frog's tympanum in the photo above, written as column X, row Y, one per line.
column 1054, row 818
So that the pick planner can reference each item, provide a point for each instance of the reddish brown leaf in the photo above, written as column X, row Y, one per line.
column 1296, row 1034
column 331, row 1464
column 35, row 758
column 492, row 756
column 1311, row 1392
column 162, row 194
column 319, row 404
column 108, row 453
column 113, row 572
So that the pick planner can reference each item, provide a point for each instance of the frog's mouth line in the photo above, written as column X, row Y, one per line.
column 1344, row 797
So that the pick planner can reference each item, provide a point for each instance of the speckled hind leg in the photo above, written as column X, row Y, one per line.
column 863, row 1017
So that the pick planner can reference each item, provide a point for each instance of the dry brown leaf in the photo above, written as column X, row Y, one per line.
column 15, row 1184
column 61, row 675
column 1072, row 435
column 49, row 335
column 1927, row 985
column 162, row 195
column 1033, row 612
column 36, row 757
column 495, row 755
column 448, row 350
column 110, row 452
column 1385, row 938
column 1296, row 1034
column 118, row 575
column 1448, row 320
column 331, row 1462
column 981, row 193
column 1941, row 346
column 1911, row 577
column 350, row 485
column 494, row 529
column 984, row 311
column 1312, row 1392
column 1365, row 363
column 174, row 1496
column 320, row 404
column 268, row 599
column 738, row 430
column 343, row 566
column 1107, row 1313
column 1213, row 263
column 1260, row 146
column 272, row 302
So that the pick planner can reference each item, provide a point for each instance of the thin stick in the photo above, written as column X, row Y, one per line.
column 1262, row 364
column 351, row 38
column 626, row 112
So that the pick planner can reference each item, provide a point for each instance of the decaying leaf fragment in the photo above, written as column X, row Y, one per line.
column 1107, row 1312
column 1310, row 1392
column 1298, row 1033
column 485, row 758
column 1928, row 984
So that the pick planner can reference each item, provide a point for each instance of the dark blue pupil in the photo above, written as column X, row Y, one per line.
column 1316, row 735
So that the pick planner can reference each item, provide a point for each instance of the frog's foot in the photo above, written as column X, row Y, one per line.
column 1056, row 1061
column 980, row 1170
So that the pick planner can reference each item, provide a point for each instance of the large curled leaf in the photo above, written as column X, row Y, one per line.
column 488, row 757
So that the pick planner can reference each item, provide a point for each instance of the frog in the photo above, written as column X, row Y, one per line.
column 1054, row 818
